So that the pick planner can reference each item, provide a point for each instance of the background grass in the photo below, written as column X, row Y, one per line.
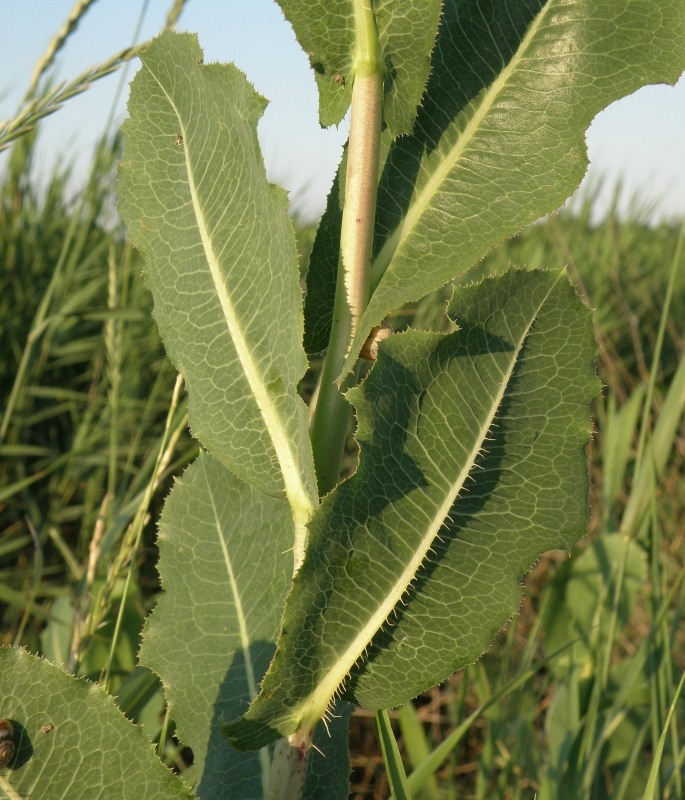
column 570, row 702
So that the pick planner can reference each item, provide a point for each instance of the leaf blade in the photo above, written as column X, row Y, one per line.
column 397, row 778
column 72, row 740
column 499, row 140
column 372, row 607
column 406, row 33
column 213, row 530
column 221, row 261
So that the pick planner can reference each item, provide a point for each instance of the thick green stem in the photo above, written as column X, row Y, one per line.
column 331, row 415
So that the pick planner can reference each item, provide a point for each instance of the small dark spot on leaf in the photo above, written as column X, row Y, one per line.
column 179, row 139
column 316, row 64
column 339, row 79
column 47, row 728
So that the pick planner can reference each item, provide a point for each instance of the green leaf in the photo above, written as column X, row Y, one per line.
column 406, row 31
column 221, row 260
column 418, row 744
column 472, row 463
column 323, row 267
column 214, row 532
column 328, row 773
column 226, row 570
column 72, row 741
column 499, row 139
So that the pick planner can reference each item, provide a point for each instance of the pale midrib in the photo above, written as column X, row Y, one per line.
column 295, row 491
column 239, row 616
column 423, row 199
column 332, row 680
column 8, row 790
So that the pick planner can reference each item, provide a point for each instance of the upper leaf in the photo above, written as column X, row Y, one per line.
column 221, row 260
column 499, row 139
column 215, row 531
column 406, row 31
column 72, row 741
column 472, row 463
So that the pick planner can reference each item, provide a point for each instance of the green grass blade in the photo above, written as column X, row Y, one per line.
column 650, row 788
column 663, row 436
column 618, row 433
column 391, row 757
column 417, row 745
column 420, row 776
column 631, row 764
column 612, row 716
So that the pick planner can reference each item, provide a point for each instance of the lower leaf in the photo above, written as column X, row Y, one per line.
column 226, row 564
column 72, row 741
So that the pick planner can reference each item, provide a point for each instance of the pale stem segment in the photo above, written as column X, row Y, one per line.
column 289, row 765
column 331, row 415
column 361, row 179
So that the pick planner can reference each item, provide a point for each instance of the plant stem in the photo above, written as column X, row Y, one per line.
column 361, row 180
column 331, row 416
column 289, row 765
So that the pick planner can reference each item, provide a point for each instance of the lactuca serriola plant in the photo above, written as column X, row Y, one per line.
column 289, row 595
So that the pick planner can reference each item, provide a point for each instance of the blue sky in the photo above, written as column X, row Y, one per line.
column 640, row 139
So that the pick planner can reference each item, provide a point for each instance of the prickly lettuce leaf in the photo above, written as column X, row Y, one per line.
column 221, row 261
column 500, row 136
column 472, row 463
column 213, row 632
column 406, row 31
column 226, row 570
column 323, row 268
column 72, row 740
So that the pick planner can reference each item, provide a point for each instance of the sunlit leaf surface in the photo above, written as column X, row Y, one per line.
column 221, row 261
column 472, row 463
column 73, row 743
